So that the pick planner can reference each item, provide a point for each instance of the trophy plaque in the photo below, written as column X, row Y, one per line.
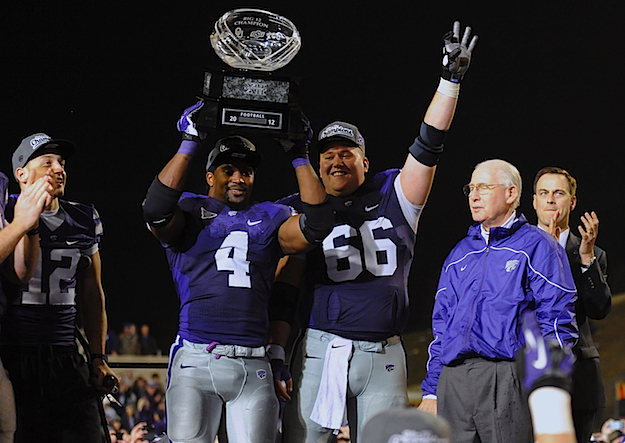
column 248, row 97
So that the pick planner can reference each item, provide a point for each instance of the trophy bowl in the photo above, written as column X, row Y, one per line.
column 255, row 39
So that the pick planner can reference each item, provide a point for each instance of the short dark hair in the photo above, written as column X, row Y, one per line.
column 556, row 170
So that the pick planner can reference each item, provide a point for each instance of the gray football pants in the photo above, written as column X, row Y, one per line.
column 482, row 401
column 376, row 381
column 198, row 387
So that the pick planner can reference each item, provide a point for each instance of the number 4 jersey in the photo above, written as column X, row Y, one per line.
column 223, row 265
column 44, row 310
column 356, row 281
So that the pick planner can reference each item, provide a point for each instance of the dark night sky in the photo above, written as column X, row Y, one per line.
column 544, row 88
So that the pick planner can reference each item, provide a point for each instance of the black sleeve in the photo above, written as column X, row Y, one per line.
column 160, row 203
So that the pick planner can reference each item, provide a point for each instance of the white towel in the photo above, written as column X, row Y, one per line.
column 329, row 410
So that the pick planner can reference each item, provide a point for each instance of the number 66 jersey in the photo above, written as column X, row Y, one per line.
column 44, row 310
column 357, row 279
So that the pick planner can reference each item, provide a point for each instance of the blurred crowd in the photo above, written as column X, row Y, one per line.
column 139, row 401
column 129, row 342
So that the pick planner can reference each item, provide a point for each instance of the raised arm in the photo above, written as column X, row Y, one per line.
column 592, row 286
column 298, row 233
column 160, row 207
column 418, row 171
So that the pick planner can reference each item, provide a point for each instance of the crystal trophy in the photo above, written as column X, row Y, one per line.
column 248, row 97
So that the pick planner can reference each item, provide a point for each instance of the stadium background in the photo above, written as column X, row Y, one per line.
column 544, row 88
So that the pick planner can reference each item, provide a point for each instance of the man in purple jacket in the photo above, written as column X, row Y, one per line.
column 503, row 268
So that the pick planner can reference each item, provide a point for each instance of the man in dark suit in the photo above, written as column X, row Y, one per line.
column 554, row 199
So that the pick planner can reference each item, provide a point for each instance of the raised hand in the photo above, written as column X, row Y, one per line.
column 187, row 123
column 456, row 54
column 297, row 144
column 553, row 228
column 36, row 196
column 589, row 233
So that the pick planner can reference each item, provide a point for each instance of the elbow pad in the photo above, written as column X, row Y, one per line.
column 428, row 146
column 317, row 221
column 160, row 203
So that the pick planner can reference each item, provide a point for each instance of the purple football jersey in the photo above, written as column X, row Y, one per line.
column 223, row 265
column 44, row 310
column 356, row 280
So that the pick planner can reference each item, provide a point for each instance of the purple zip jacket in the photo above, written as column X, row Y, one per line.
column 484, row 289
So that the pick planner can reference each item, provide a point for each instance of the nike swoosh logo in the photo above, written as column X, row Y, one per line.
column 310, row 356
column 71, row 242
column 463, row 268
column 186, row 367
column 541, row 352
column 334, row 346
column 541, row 360
column 253, row 223
column 371, row 208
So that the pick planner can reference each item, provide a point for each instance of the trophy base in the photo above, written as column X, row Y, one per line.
column 250, row 102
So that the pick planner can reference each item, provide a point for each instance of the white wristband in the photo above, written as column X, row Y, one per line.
column 450, row 89
column 551, row 411
column 275, row 351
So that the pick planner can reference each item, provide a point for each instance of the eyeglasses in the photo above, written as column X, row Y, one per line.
column 481, row 188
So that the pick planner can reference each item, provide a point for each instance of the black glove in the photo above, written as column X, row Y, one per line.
column 280, row 370
column 457, row 56
column 297, row 144
column 276, row 356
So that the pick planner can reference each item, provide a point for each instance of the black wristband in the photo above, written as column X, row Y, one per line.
column 32, row 232
column 194, row 138
column 452, row 77
column 102, row 357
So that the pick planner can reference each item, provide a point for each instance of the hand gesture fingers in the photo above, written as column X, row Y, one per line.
column 456, row 54
column 591, row 224
column 473, row 42
column 589, row 232
column 553, row 229
column 35, row 197
column 466, row 35
column 456, row 28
